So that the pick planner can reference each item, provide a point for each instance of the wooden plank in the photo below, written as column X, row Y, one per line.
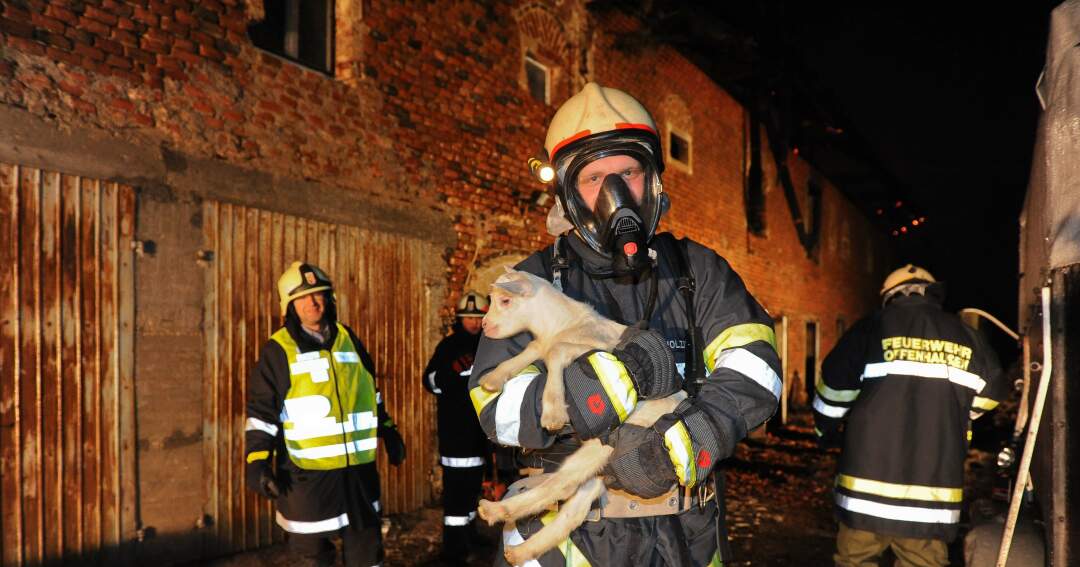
column 225, row 320
column 110, row 369
column 11, row 490
column 125, row 293
column 51, row 386
column 71, row 368
column 29, row 400
column 90, row 361
column 211, row 346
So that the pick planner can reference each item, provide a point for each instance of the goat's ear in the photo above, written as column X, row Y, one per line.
column 521, row 287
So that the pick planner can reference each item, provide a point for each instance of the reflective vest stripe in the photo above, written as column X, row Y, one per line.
column 461, row 462
column 257, row 456
column 925, row 370
column 831, row 395
column 984, row 404
column 899, row 513
column 335, row 450
column 616, row 382
column 752, row 366
column 900, row 491
column 681, row 450
column 361, row 421
column 297, row 527
column 256, row 424
column 829, row 410
column 431, row 383
column 573, row 557
column 456, row 520
column 738, row 336
column 508, row 409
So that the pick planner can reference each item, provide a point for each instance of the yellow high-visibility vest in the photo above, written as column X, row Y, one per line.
column 330, row 417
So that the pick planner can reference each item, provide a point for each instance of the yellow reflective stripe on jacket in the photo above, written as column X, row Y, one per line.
column 716, row 560
column 616, row 382
column 681, row 451
column 984, row 404
column 836, row 395
column 900, row 491
column 481, row 397
column 737, row 336
column 329, row 410
column 573, row 556
column 258, row 456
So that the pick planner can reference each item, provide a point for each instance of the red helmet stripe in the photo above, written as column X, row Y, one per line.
column 575, row 137
column 632, row 126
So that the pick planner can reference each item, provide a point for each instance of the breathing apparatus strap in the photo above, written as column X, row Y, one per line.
column 559, row 264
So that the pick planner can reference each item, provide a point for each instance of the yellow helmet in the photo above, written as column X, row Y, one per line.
column 908, row 274
column 301, row 279
column 472, row 304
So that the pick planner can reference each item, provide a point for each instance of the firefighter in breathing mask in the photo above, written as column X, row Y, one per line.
column 693, row 326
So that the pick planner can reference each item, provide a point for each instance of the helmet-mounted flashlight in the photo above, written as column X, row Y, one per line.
column 542, row 171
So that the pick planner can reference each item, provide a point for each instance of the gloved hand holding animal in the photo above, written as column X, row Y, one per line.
column 605, row 366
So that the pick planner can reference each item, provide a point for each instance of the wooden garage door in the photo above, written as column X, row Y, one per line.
column 67, row 428
column 378, row 280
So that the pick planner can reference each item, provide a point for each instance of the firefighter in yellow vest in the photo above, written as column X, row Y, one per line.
column 314, row 421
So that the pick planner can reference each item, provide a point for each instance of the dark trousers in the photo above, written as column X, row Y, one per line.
column 461, row 492
column 359, row 547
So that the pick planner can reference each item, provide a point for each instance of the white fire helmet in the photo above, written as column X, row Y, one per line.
column 301, row 279
column 906, row 275
column 472, row 304
column 595, row 123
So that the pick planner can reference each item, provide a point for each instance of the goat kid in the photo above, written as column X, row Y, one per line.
column 563, row 329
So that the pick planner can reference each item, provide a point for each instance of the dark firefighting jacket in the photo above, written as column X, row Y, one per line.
column 741, row 389
column 907, row 380
column 461, row 440
column 327, row 481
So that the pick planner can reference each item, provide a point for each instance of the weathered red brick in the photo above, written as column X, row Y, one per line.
column 145, row 16
column 122, row 104
column 26, row 45
column 89, row 52
column 62, row 14
column 124, row 38
column 95, row 13
column 16, row 28
column 117, row 61
column 93, row 26
column 108, row 46
column 51, row 24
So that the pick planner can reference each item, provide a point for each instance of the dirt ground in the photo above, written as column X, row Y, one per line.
column 779, row 507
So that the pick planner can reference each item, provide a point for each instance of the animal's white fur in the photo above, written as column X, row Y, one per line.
column 562, row 330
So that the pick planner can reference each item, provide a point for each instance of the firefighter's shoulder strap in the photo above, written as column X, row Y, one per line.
column 694, row 372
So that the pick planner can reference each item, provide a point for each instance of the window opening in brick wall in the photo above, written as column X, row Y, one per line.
column 299, row 30
column 679, row 148
column 538, row 77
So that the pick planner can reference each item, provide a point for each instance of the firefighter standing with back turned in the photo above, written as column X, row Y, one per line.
column 687, row 307
column 462, row 444
column 907, row 381
column 314, row 409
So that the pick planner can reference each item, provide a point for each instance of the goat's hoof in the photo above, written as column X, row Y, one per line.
column 516, row 556
column 554, row 420
column 492, row 381
column 491, row 512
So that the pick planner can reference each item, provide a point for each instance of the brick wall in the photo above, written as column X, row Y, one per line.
column 428, row 110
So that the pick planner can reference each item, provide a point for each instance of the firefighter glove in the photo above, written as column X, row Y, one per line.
column 640, row 465
column 260, row 478
column 395, row 446
column 602, row 388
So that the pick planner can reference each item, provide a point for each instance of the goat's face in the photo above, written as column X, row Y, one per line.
column 512, row 305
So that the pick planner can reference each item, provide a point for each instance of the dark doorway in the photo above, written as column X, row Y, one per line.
column 811, row 359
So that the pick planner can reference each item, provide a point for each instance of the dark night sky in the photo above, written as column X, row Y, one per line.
column 937, row 100
column 944, row 98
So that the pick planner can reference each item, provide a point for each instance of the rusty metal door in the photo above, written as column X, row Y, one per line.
column 378, row 281
column 67, row 422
